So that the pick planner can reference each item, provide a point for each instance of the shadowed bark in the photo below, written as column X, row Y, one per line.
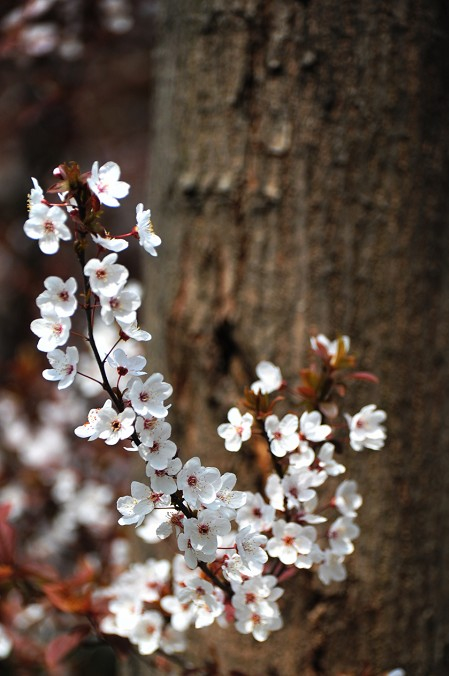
column 299, row 181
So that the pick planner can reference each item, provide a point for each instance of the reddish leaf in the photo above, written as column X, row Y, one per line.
column 5, row 509
column 68, row 602
column 42, row 571
column 6, row 572
column 321, row 350
column 310, row 378
column 62, row 645
column 7, row 537
column 72, row 595
column 364, row 375
column 307, row 392
column 83, row 574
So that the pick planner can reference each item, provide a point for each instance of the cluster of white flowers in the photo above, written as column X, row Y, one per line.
column 235, row 546
column 141, row 586
column 304, row 446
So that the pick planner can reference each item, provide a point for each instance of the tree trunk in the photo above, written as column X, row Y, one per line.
column 300, row 181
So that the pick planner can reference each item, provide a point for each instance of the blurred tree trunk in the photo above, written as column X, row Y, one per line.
column 300, row 181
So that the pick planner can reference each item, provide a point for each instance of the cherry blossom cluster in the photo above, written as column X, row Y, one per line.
column 235, row 547
column 247, row 542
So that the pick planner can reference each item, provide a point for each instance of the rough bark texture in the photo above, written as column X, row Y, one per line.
column 299, row 181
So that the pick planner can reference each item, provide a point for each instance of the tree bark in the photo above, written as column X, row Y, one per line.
column 300, row 182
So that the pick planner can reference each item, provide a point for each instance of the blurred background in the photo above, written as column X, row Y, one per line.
column 74, row 85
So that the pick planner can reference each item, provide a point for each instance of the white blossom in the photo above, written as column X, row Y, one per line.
column 181, row 614
column 105, row 183
column 332, row 568
column 203, row 532
column 64, row 366
column 234, row 570
column 347, row 500
column 311, row 427
column 366, row 429
column 125, row 615
column 36, row 194
column 228, row 500
column 158, row 449
column 297, row 487
column 275, row 492
column 256, row 610
column 327, row 462
column 113, row 426
column 199, row 484
column 89, row 430
column 127, row 365
column 110, row 243
column 147, row 632
column 249, row 547
column 237, row 430
column 206, row 601
column 148, row 397
column 256, row 513
column 106, row 277
column 191, row 554
column 162, row 480
column 90, row 506
column 59, row 297
column 147, row 238
column 156, row 527
column 51, row 330
column 122, row 306
column 270, row 378
column 14, row 495
column 341, row 534
column 141, row 502
column 288, row 542
column 256, row 623
column 47, row 224
column 133, row 330
column 282, row 434
column 331, row 346
column 5, row 643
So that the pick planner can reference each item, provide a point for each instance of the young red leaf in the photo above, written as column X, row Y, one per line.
column 7, row 537
column 307, row 392
column 67, row 601
column 62, row 645
column 6, row 572
column 364, row 375
column 42, row 572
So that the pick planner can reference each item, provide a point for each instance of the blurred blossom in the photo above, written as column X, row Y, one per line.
column 120, row 554
column 39, row 39
column 64, row 488
column 5, row 643
column 70, row 48
column 29, row 616
column 13, row 495
column 116, row 15
column 45, row 445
